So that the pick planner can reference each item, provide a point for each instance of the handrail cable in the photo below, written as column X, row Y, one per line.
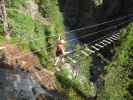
column 92, row 33
column 92, row 26
column 113, row 27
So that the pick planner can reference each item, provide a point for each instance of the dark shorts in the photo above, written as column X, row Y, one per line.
column 58, row 54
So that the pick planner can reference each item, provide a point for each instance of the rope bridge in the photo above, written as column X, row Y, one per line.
column 108, row 36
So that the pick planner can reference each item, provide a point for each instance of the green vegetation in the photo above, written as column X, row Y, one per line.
column 98, row 2
column 117, row 81
column 1, row 28
column 80, row 83
column 21, row 24
column 33, row 35
column 16, row 3
column 50, row 9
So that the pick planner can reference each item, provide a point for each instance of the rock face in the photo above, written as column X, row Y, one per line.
column 109, row 8
column 22, row 77
column 112, row 8
column 86, row 12
column 83, row 12
column 13, row 56
column 18, row 85
column 71, row 10
column 77, row 11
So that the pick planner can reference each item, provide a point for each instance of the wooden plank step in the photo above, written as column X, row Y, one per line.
column 103, row 43
column 97, row 49
column 77, row 55
column 109, row 39
column 117, row 35
column 99, row 45
column 84, row 53
column 71, row 59
column 106, row 41
column 113, row 38
column 91, row 51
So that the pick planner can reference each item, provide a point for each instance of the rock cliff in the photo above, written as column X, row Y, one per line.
column 86, row 12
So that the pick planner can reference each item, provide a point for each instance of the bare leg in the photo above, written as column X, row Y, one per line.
column 57, row 60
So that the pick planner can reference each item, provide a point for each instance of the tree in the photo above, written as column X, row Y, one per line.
column 4, row 19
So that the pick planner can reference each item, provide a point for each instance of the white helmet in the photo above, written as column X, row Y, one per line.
column 62, row 41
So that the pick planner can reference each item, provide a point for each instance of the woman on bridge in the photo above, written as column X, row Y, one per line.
column 60, row 50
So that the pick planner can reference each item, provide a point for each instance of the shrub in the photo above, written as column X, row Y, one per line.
column 117, row 80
